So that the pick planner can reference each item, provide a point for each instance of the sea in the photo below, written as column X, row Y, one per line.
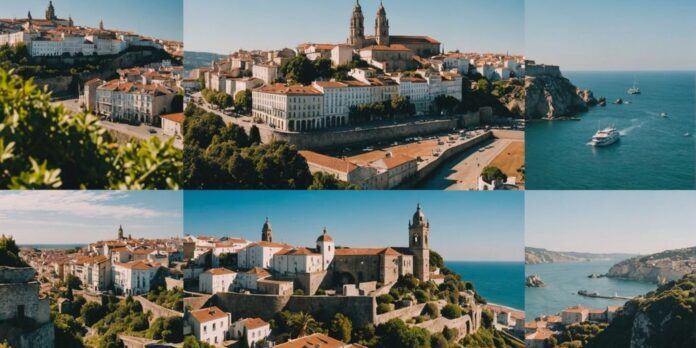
column 654, row 152
column 52, row 246
column 501, row 283
column 563, row 280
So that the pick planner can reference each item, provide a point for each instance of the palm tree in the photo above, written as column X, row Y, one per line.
column 306, row 324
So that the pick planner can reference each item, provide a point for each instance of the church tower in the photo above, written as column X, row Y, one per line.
column 357, row 27
column 327, row 248
column 382, row 26
column 120, row 232
column 101, row 24
column 29, row 16
column 70, row 21
column 418, row 235
column 267, row 232
column 50, row 12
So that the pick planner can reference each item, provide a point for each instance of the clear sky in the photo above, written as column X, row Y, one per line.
column 72, row 217
column 463, row 225
column 639, row 222
column 162, row 19
column 224, row 26
column 612, row 34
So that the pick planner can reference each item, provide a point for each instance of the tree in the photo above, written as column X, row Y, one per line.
column 486, row 318
column 44, row 147
column 242, row 100
column 395, row 333
column 436, row 260
column 323, row 68
column 325, row 181
column 9, row 251
column 73, row 282
column 341, row 328
column 170, row 329
column 299, row 69
column 91, row 313
column 432, row 310
column 451, row 311
column 491, row 173
column 254, row 135
column 437, row 340
column 483, row 86
column 68, row 332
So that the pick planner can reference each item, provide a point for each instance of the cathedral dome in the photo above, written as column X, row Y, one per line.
column 325, row 237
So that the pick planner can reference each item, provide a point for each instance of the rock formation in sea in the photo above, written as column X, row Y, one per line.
column 549, row 96
column 657, row 268
column 534, row 281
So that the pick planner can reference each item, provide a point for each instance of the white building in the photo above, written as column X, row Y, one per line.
column 341, row 54
column 216, row 280
column 255, row 329
column 265, row 72
column 134, row 277
column 133, row 101
column 288, row 108
column 172, row 124
column 258, row 254
column 296, row 260
column 210, row 325
column 249, row 280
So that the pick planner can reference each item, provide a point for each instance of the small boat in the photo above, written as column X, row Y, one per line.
column 605, row 137
column 634, row 89
column 687, row 134
column 663, row 114
column 618, row 101
column 602, row 101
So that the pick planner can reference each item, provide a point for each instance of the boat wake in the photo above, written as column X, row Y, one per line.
column 627, row 130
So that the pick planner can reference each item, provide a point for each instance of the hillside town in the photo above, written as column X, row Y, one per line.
column 105, row 276
column 378, row 111
column 54, row 36
column 239, row 286
column 541, row 332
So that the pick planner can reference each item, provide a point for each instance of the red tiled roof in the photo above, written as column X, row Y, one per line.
column 207, row 314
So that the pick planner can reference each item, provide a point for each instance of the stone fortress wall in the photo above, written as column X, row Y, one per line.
column 20, row 290
column 534, row 70
column 156, row 310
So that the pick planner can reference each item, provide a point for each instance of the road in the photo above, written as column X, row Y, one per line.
column 467, row 171
column 138, row 132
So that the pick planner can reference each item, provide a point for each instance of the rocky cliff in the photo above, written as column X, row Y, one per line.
column 659, row 268
column 539, row 255
column 662, row 318
column 553, row 97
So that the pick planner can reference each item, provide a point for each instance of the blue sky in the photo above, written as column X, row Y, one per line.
column 464, row 225
column 610, row 221
column 67, row 217
column 223, row 26
column 612, row 34
column 159, row 18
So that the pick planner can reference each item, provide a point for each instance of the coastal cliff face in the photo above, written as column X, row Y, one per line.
column 553, row 97
column 662, row 318
column 534, row 256
column 658, row 268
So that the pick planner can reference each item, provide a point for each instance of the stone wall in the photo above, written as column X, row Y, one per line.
column 16, row 274
column 535, row 70
column 352, row 137
column 19, row 294
column 157, row 310
column 196, row 302
column 311, row 282
column 463, row 324
column 401, row 313
column 42, row 336
column 360, row 309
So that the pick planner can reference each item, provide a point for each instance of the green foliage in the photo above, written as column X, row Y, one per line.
column 437, row 340
column 254, row 135
column 445, row 104
column 491, row 173
column 580, row 332
column 395, row 333
column 298, row 292
column 43, row 147
column 9, row 251
column 73, row 282
column 421, row 296
column 397, row 107
column 68, row 332
column 91, row 313
column 669, row 312
column 219, row 98
column 341, row 328
column 383, row 308
column 242, row 100
column 299, row 69
column 451, row 311
column 431, row 310
column 223, row 157
column 436, row 260
column 483, row 85
column 385, row 298
column 486, row 318
column 288, row 325
column 487, row 337
column 326, row 181
column 172, row 299
column 122, row 317
column 192, row 342
column 169, row 329
column 450, row 333
column 365, row 335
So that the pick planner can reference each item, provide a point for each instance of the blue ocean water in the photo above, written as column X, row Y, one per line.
column 563, row 280
column 653, row 152
column 52, row 246
column 498, row 282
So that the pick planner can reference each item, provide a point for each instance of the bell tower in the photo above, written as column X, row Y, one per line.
column 120, row 232
column 357, row 27
column 51, row 12
column 267, row 232
column 418, row 239
column 382, row 26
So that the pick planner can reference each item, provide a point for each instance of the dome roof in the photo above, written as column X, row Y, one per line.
column 325, row 237
column 266, row 226
column 418, row 216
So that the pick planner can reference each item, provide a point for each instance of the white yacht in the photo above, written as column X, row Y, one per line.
column 634, row 89
column 606, row 136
